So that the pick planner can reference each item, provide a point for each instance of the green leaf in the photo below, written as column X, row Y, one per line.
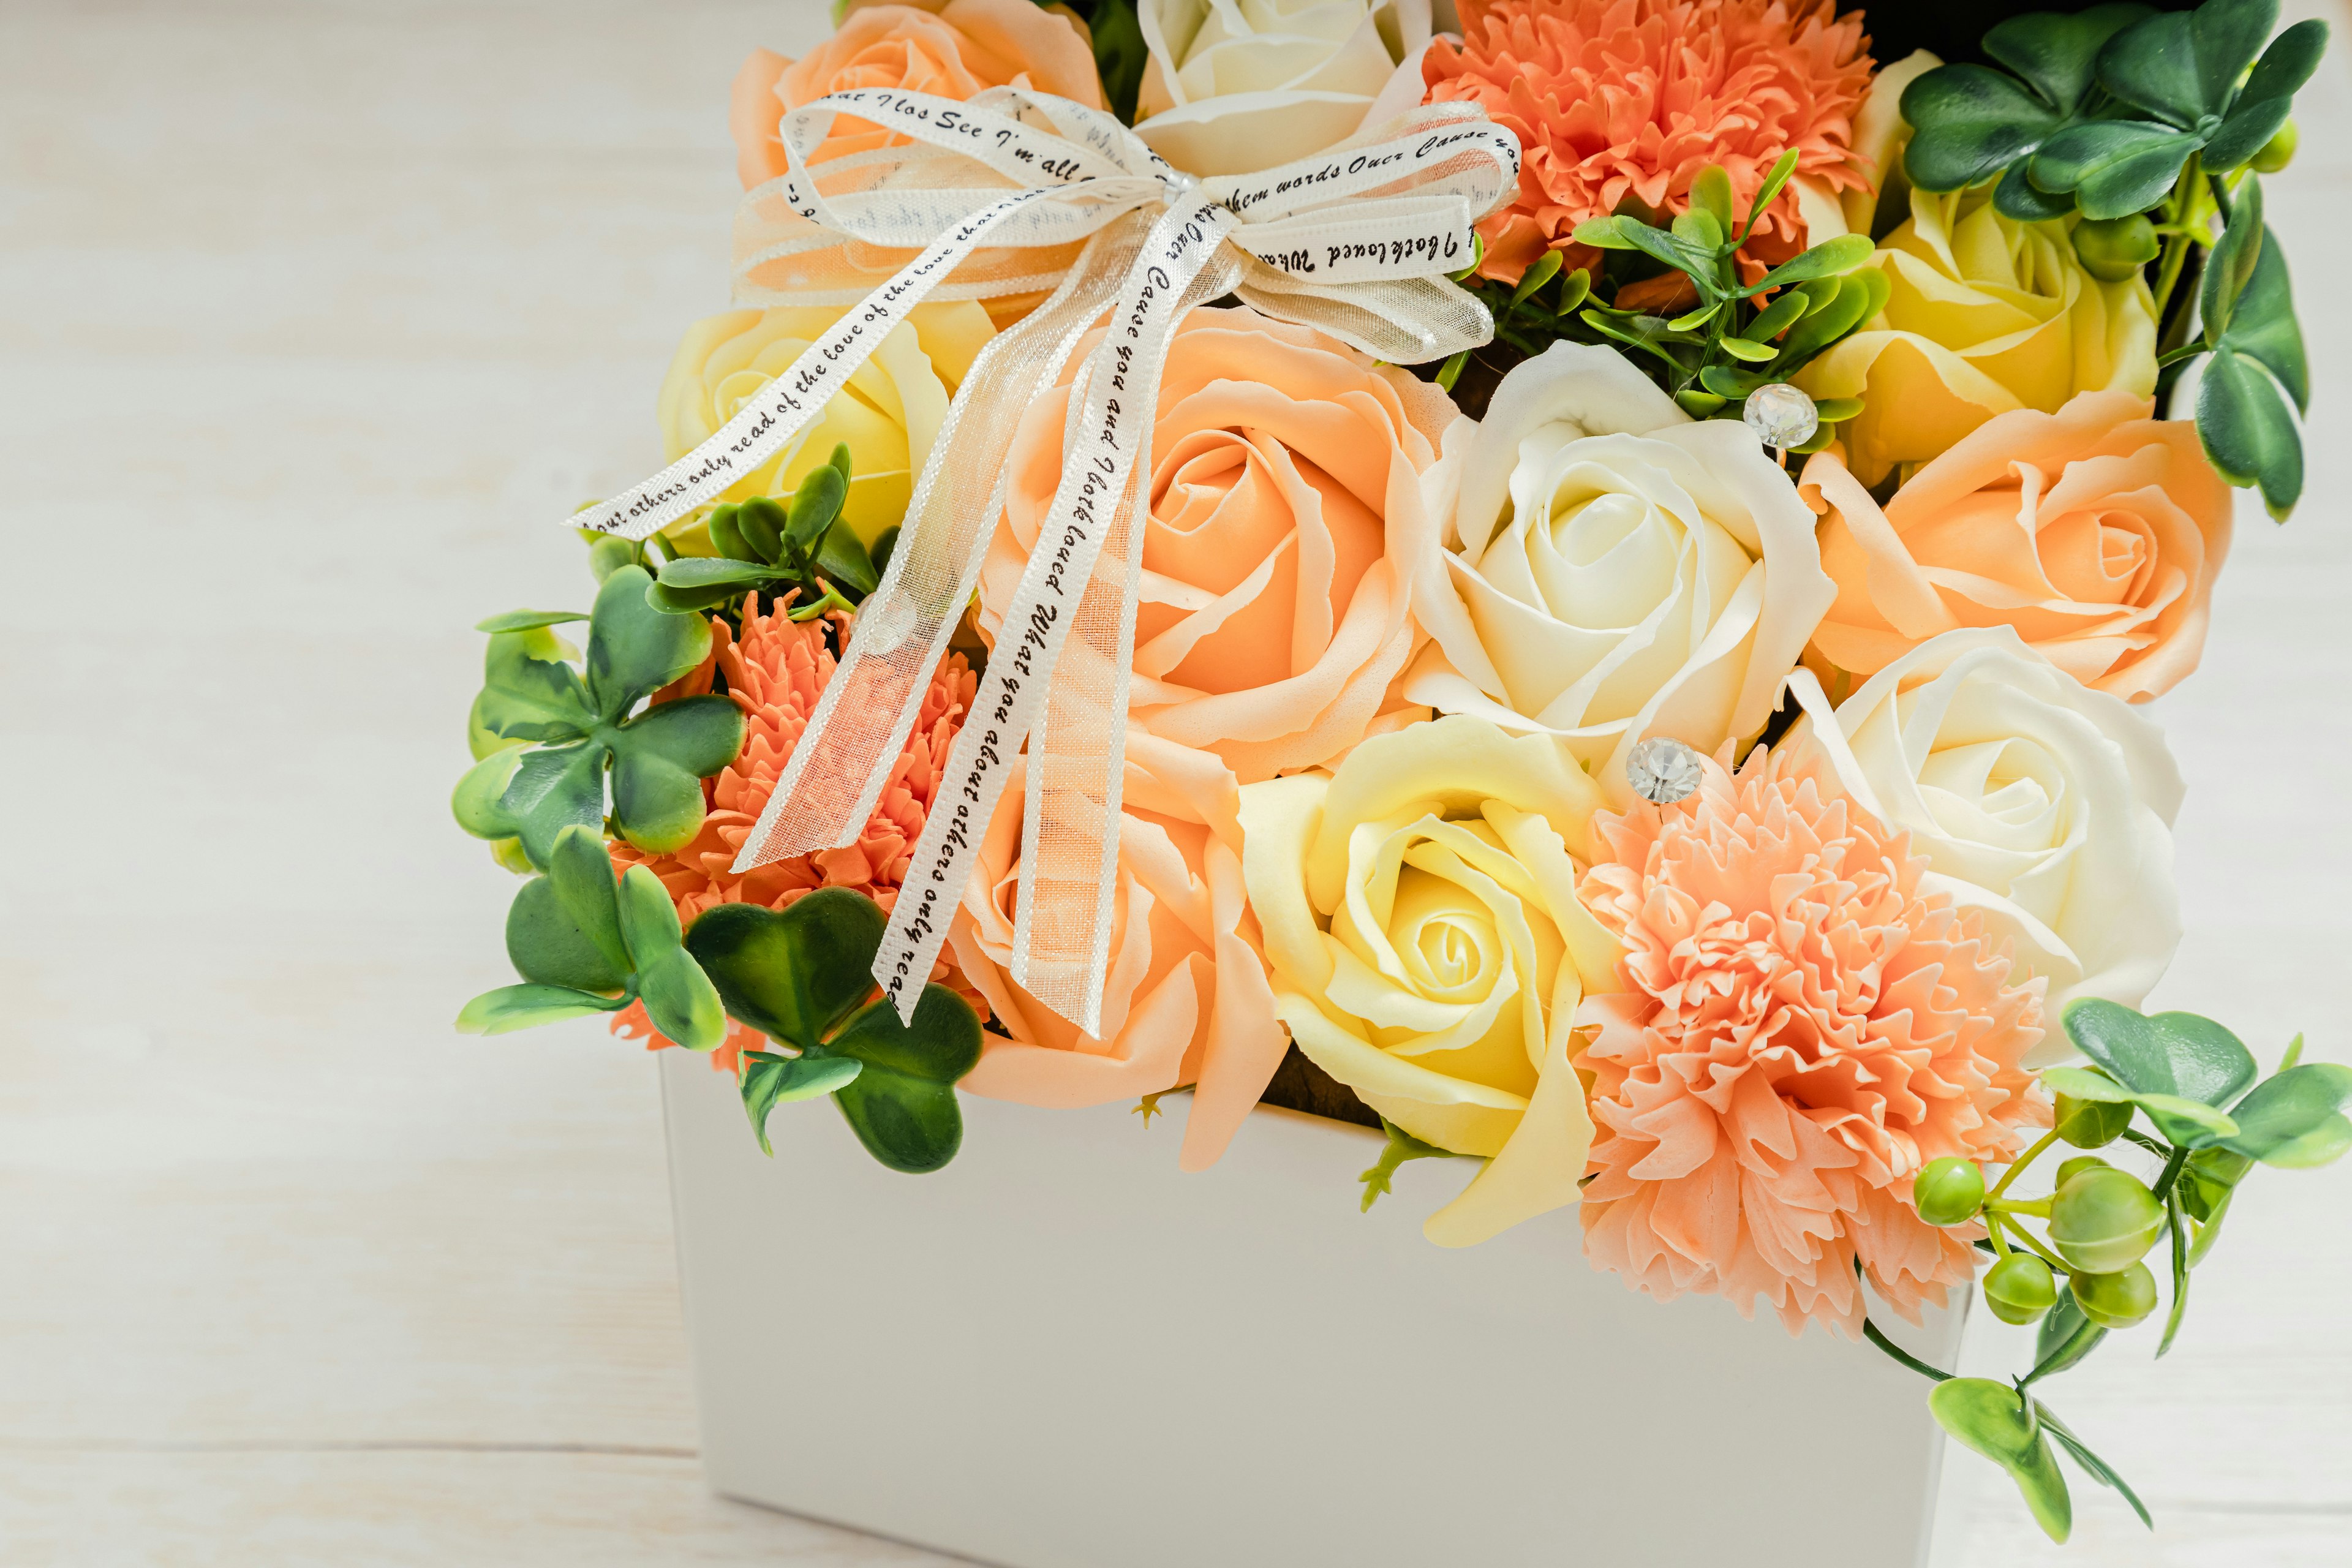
column 546, row 943
column 659, row 761
column 760, row 523
column 2066, row 1337
column 512, row 1008
column 1631, row 233
column 648, row 920
column 1778, row 317
column 607, row 555
column 1537, row 274
column 1860, row 295
column 2248, row 434
column 1991, row 1418
column 1827, row 260
column 2018, row 197
column 903, row 1105
column 1782, row 168
column 2178, row 1222
column 1731, row 385
column 2114, row 167
column 2189, row 1123
column 635, row 649
column 580, row 871
column 681, row 1000
column 2268, row 94
column 2230, row 266
column 699, row 582
column 2210, row 1230
column 2098, row 1469
column 2184, row 66
column 726, row 535
column 770, row 1081
column 528, row 620
column 1971, row 123
column 2171, row 1053
column 478, row 802
column 2058, row 56
column 554, row 787
column 816, row 506
column 1710, row 193
column 1698, row 229
column 792, row 975
column 1754, row 353
column 2294, row 1119
column 1698, row 405
column 842, row 561
column 529, row 692
column 2259, row 319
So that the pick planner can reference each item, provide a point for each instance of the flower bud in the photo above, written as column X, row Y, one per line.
column 2091, row 1124
column 2117, row 1301
column 2076, row 1166
column 1949, row 1191
column 2112, row 250
column 2019, row 1288
column 2105, row 1220
column 2278, row 152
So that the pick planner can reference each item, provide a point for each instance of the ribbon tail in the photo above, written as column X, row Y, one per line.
column 1184, row 262
column 836, row 773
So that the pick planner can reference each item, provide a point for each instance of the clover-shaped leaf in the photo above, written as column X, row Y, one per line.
column 582, row 728
column 2294, row 1120
column 801, row 976
column 2171, row 1053
column 1993, row 1419
column 2248, row 308
column 577, row 938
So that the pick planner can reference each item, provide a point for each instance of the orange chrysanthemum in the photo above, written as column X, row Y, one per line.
column 775, row 671
column 1801, row 1028
column 1628, row 99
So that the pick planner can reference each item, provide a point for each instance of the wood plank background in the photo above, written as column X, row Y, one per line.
column 316, row 315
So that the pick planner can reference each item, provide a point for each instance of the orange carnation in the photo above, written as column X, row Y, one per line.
column 952, row 49
column 775, row 671
column 1801, row 1028
column 1619, row 100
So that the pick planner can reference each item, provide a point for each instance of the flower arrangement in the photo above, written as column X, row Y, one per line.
column 1585, row 588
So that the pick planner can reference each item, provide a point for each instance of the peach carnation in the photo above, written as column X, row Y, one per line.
column 1801, row 1028
column 1628, row 99
column 775, row 669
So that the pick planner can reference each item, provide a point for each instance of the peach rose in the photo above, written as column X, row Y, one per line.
column 954, row 48
column 2095, row 532
column 1286, row 512
column 1185, row 1000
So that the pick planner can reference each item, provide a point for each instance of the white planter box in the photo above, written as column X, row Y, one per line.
column 1060, row 1353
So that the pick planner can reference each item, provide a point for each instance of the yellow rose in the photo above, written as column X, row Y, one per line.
column 889, row 413
column 1420, row 914
column 1985, row 315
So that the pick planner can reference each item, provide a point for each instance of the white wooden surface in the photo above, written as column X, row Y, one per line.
column 312, row 317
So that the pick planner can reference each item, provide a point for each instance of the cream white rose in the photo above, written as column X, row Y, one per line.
column 2042, row 804
column 1608, row 568
column 1234, row 86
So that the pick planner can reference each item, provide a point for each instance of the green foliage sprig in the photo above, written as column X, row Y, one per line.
column 1733, row 341
column 2193, row 1084
column 546, row 737
column 775, row 549
column 2104, row 109
column 801, row 977
column 585, row 943
column 2121, row 112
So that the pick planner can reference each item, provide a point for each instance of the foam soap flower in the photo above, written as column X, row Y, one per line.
column 1233, row 86
column 1618, row 102
column 1804, row 1024
column 1420, row 910
column 888, row 415
column 1286, row 512
column 1605, row 568
column 2043, row 807
column 2094, row 532
column 949, row 48
column 1186, row 999
column 1984, row 314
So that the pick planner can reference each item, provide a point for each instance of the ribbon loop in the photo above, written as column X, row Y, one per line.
column 1014, row 192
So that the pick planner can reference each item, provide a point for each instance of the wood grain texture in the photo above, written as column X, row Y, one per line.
column 317, row 314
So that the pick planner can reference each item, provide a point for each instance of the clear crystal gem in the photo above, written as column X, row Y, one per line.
column 1662, row 770
column 1780, row 415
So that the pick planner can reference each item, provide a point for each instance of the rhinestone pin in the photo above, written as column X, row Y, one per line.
column 1662, row 770
column 1780, row 415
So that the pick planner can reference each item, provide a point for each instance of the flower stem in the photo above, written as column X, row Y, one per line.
column 2039, row 1149
column 1870, row 1332
column 2171, row 1173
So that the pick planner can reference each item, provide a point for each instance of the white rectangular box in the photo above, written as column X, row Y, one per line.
column 1061, row 1352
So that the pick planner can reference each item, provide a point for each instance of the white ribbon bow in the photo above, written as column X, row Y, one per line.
column 1355, row 241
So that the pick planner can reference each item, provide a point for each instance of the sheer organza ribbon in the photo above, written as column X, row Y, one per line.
column 1014, row 192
